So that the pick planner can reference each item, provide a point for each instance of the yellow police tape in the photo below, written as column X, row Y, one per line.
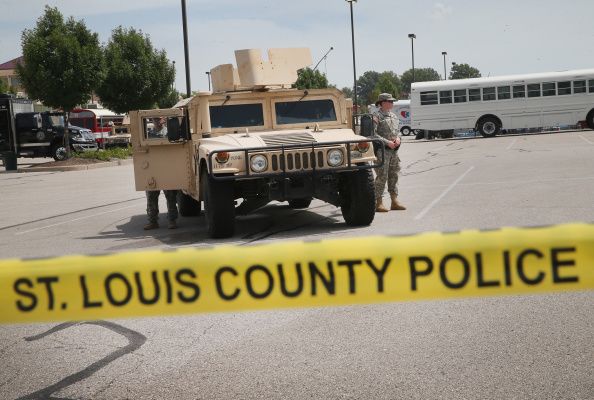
column 299, row 274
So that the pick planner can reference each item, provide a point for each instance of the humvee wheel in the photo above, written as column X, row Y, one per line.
column 219, row 207
column 358, row 198
column 188, row 207
column 300, row 203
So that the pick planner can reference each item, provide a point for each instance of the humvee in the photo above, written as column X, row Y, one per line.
column 255, row 139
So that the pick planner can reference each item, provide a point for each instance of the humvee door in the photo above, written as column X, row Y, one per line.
column 161, row 153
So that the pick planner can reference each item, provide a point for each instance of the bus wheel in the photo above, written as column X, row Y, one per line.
column 590, row 119
column 405, row 131
column 489, row 127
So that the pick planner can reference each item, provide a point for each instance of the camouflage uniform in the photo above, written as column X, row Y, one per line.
column 386, row 129
column 152, row 204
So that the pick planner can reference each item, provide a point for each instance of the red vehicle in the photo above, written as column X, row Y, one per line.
column 102, row 123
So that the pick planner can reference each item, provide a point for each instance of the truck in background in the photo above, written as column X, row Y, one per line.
column 27, row 133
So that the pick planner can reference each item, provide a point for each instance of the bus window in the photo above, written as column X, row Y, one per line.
column 503, row 93
column 519, row 91
column 534, row 90
column 460, row 96
column 579, row 87
column 548, row 89
column 488, row 93
column 564, row 88
column 474, row 95
column 445, row 97
column 591, row 85
column 428, row 98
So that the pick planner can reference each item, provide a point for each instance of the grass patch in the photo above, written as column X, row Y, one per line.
column 107, row 154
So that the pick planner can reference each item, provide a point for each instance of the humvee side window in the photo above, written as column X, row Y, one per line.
column 155, row 128
column 236, row 115
column 295, row 112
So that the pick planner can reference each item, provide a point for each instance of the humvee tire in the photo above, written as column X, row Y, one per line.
column 219, row 207
column 358, row 198
column 300, row 203
column 188, row 207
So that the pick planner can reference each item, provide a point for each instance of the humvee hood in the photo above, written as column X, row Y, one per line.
column 278, row 138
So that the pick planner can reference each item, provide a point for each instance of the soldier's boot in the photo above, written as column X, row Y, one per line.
column 395, row 204
column 172, row 224
column 151, row 225
column 379, row 206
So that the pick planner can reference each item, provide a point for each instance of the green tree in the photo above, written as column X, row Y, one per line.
column 170, row 99
column 3, row 86
column 366, row 85
column 62, row 62
column 421, row 75
column 347, row 91
column 388, row 82
column 310, row 79
column 137, row 75
column 463, row 71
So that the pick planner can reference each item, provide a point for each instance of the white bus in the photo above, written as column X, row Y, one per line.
column 507, row 102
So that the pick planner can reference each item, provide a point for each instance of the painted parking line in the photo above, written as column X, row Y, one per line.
column 442, row 195
column 512, row 144
column 74, row 220
column 586, row 139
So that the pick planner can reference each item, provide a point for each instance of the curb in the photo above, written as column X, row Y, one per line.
column 77, row 167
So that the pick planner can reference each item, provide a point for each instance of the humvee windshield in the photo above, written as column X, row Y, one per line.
column 295, row 112
column 236, row 115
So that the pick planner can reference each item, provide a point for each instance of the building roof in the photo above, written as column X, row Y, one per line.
column 11, row 64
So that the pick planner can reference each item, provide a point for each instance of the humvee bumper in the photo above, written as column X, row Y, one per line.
column 298, row 159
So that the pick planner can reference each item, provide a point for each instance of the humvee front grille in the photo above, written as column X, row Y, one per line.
column 297, row 161
column 288, row 139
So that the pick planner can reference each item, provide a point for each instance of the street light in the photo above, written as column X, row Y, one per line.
column 186, row 54
column 354, row 65
column 445, row 72
column 208, row 77
column 173, row 83
column 412, row 38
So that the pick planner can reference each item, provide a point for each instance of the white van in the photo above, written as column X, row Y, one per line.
column 402, row 110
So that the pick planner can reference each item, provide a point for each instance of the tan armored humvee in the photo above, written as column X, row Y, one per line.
column 256, row 139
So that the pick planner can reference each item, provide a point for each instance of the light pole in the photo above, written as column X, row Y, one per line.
column 354, row 65
column 445, row 72
column 412, row 38
column 173, row 83
column 208, row 77
column 186, row 54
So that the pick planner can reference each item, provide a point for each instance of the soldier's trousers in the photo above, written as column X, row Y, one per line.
column 152, row 204
column 387, row 172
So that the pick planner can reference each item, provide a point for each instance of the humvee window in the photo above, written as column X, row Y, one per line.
column 236, row 115
column 295, row 112
column 155, row 128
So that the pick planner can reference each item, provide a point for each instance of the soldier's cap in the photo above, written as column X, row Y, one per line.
column 384, row 97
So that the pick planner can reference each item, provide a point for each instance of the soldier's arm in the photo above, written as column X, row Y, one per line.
column 376, row 135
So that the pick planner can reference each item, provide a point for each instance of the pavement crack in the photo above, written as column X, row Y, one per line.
column 431, row 169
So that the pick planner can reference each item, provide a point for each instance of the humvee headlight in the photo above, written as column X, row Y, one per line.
column 222, row 157
column 335, row 158
column 258, row 163
column 361, row 147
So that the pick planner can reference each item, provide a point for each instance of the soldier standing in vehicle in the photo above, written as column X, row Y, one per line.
column 152, row 196
column 385, row 126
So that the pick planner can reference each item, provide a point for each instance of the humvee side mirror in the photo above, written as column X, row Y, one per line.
column 174, row 133
column 366, row 125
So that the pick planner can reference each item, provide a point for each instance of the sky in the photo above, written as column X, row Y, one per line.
column 499, row 37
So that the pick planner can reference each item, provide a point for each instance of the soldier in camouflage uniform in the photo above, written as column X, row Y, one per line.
column 152, row 208
column 386, row 129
